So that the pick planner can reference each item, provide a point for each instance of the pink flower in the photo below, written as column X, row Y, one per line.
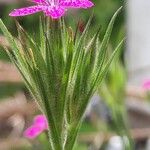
column 39, row 125
column 53, row 8
column 146, row 85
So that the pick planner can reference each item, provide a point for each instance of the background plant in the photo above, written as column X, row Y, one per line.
column 113, row 93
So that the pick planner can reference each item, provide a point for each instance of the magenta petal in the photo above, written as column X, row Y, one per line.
column 54, row 9
column 40, row 120
column 33, row 131
column 26, row 11
column 146, row 85
column 87, row 4
column 55, row 12
column 76, row 3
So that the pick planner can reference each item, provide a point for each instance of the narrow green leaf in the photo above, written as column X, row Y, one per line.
column 98, row 80
column 79, row 49
column 42, row 36
column 103, row 72
column 105, row 41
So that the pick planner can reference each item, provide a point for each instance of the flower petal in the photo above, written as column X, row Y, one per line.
column 26, row 11
column 87, row 4
column 76, row 3
column 146, row 85
column 33, row 131
column 40, row 120
column 55, row 12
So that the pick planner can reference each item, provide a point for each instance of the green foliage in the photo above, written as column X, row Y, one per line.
column 112, row 91
column 62, row 72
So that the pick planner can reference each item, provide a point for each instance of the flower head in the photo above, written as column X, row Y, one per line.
column 39, row 125
column 146, row 85
column 53, row 8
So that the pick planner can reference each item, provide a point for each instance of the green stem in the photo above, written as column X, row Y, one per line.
column 127, row 140
column 54, row 138
column 123, row 129
column 54, row 134
column 72, row 136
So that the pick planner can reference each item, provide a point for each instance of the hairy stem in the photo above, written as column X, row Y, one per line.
column 72, row 134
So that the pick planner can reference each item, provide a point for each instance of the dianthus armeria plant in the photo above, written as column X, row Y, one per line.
column 64, row 69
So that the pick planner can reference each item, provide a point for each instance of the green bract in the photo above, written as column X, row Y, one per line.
column 62, row 72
